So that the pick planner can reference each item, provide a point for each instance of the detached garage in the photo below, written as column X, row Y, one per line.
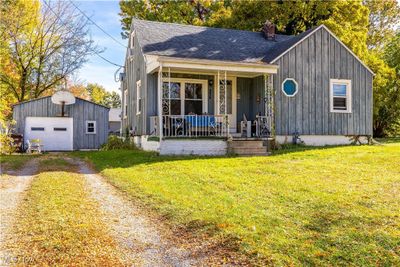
column 81, row 125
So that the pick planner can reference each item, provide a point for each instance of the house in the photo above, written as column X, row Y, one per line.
column 114, row 121
column 78, row 126
column 200, row 90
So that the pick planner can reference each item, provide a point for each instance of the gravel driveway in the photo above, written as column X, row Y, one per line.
column 136, row 234
column 12, row 190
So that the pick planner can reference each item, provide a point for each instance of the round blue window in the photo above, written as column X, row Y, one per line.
column 289, row 87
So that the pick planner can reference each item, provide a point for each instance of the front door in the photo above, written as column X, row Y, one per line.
column 226, row 101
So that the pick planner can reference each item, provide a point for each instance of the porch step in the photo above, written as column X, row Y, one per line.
column 248, row 147
column 246, row 144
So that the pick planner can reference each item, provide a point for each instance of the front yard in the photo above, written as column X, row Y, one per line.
column 326, row 206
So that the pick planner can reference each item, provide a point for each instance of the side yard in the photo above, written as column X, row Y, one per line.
column 323, row 206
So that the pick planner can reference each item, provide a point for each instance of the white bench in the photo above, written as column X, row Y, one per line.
column 34, row 145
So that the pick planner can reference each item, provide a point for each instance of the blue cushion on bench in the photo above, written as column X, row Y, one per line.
column 200, row 121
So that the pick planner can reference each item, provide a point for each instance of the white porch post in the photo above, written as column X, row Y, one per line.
column 160, row 109
column 225, row 95
column 269, row 101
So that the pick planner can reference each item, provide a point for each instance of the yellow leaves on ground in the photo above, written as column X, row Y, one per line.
column 59, row 225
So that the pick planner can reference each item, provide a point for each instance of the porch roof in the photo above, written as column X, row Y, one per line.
column 208, row 66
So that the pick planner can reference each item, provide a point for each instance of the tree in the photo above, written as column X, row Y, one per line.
column 194, row 12
column 387, row 110
column 113, row 100
column 46, row 44
column 79, row 90
column 384, row 16
column 99, row 95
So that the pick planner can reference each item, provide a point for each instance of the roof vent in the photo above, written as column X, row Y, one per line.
column 269, row 30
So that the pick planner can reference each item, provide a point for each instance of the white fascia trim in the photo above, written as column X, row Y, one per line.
column 297, row 86
column 210, row 65
column 152, row 63
column 334, row 36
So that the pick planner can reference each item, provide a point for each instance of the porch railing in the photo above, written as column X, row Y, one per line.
column 192, row 126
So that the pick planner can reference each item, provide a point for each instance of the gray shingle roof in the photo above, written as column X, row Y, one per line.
column 187, row 41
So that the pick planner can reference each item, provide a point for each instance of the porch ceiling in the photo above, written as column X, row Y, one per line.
column 212, row 67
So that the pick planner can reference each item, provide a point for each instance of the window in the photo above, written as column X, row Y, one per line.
column 183, row 97
column 138, row 97
column 125, row 103
column 289, row 87
column 37, row 128
column 59, row 129
column 193, row 98
column 131, row 46
column 90, row 127
column 340, row 95
column 132, row 41
column 172, row 98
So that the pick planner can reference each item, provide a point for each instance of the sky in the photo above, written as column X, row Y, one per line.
column 96, row 70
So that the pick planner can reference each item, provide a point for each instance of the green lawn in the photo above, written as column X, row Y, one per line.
column 324, row 206
column 14, row 162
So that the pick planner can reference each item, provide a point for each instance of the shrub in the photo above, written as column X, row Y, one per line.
column 6, row 144
column 116, row 142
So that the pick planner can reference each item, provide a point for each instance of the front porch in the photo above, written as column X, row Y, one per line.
column 210, row 101
column 197, row 98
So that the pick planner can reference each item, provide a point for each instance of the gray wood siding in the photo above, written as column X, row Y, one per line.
column 135, row 70
column 312, row 63
column 81, row 111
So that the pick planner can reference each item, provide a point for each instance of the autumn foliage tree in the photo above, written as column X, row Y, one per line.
column 45, row 43
column 100, row 95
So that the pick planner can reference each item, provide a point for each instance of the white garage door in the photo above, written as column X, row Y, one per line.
column 55, row 133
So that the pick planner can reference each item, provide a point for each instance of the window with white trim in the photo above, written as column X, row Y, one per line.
column 132, row 45
column 125, row 103
column 340, row 95
column 132, row 41
column 90, row 127
column 184, row 96
column 138, row 97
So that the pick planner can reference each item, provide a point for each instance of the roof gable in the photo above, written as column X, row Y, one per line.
column 303, row 36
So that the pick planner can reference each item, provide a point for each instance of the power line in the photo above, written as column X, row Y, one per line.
column 115, row 64
column 96, row 53
column 95, row 24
